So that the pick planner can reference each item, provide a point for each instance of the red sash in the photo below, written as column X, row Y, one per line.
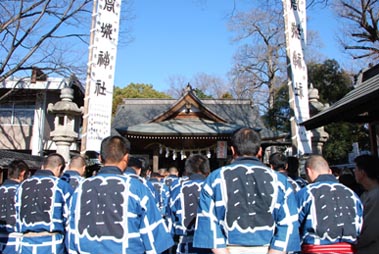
column 340, row 248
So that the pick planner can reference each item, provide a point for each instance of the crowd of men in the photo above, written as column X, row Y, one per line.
column 243, row 207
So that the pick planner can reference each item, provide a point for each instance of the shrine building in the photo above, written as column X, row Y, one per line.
column 166, row 131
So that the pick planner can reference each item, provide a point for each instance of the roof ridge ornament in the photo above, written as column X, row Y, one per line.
column 188, row 107
column 187, row 89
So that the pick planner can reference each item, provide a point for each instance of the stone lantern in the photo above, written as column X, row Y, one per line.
column 319, row 135
column 65, row 111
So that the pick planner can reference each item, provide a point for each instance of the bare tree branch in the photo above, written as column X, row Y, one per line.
column 360, row 33
column 30, row 28
column 259, row 63
column 313, row 3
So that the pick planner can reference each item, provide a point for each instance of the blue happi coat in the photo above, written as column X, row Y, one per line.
column 329, row 213
column 183, row 209
column 184, row 203
column 42, row 207
column 9, row 242
column 171, row 180
column 72, row 177
column 132, row 173
column 162, row 193
column 115, row 213
column 248, row 204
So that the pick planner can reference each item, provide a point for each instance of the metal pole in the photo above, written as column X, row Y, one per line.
column 289, row 83
column 88, row 80
column 294, row 136
column 42, row 126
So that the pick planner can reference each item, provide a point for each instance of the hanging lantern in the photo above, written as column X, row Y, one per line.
column 174, row 155
column 167, row 152
column 208, row 153
column 183, row 155
column 160, row 149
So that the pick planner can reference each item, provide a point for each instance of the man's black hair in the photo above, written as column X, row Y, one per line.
column 16, row 167
column 134, row 162
column 278, row 161
column 113, row 149
column 246, row 141
column 197, row 163
column 369, row 164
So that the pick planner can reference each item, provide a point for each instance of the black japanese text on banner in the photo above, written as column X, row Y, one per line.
column 295, row 26
column 102, row 71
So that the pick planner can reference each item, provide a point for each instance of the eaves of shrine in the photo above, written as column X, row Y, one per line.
column 188, row 121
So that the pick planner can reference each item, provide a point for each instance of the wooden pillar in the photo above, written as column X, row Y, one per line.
column 155, row 161
column 373, row 138
column 1, row 175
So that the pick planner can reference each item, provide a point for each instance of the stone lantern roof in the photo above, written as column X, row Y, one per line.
column 66, row 105
column 65, row 111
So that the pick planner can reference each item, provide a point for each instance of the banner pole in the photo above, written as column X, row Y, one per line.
column 83, row 147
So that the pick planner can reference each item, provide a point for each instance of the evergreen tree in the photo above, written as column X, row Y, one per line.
column 135, row 91
column 332, row 83
column 277, row 117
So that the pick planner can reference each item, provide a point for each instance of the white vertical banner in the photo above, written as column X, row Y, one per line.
column 222, row 149
column 295, row 30
column 102, row 72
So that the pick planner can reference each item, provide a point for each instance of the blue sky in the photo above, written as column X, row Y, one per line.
column 186, row 37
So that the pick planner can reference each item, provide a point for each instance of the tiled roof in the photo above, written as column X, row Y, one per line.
column 183, row 127
column 6, row 157
column 135, row 114
column 359, row 105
